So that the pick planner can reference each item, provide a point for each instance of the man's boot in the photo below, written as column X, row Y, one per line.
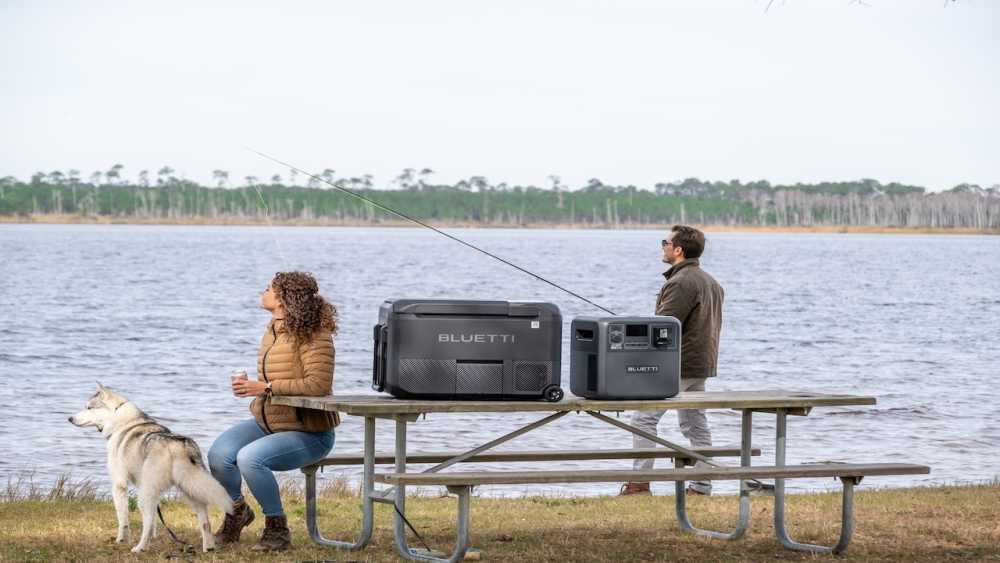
column 635, row 489
column 699, row 488
column 276, row 536
column 234, row 523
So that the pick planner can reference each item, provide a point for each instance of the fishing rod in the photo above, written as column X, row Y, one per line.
column 431, row 227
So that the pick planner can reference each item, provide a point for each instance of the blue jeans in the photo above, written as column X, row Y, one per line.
column 246, row 450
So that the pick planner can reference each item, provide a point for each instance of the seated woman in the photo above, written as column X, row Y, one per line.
column 295, row 358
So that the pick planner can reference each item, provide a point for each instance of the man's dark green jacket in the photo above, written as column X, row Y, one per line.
column 695, row 298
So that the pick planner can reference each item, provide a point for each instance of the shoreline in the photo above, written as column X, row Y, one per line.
column 70, row 219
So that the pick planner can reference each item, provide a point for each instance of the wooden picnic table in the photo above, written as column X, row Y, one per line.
column 385, row 405
column 403, row 411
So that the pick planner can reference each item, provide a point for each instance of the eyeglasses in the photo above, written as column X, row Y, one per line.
column 665, row 243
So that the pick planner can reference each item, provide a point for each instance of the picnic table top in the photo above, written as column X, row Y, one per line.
column 372, row 405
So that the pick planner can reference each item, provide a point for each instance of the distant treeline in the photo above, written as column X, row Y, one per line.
column 477, row 200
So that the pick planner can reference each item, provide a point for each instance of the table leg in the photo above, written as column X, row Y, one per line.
column 847, row 507
column 367, row 506
column 743, row 521
column 462, row 540
column 400, row 490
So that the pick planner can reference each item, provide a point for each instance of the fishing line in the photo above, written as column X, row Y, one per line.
column 431, row 227
column 267, row 217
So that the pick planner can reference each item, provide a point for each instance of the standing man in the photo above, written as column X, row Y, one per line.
column 695, row 299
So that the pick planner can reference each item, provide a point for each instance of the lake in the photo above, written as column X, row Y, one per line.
column 162, row 314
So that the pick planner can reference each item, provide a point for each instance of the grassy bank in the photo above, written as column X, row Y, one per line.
column 73, row 219
column 923, row 524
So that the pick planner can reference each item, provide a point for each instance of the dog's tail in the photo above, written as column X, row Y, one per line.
column 197, row 483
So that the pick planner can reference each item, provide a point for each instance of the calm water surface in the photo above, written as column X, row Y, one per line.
column 162, row 314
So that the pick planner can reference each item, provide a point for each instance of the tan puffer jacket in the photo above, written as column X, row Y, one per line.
column 306, row 370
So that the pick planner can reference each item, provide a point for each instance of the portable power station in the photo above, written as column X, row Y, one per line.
column 452, row 349
column 625, row 357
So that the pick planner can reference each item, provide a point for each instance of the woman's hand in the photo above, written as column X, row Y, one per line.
column 249, row 388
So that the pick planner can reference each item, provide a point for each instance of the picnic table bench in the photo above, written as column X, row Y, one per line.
column 402, row 412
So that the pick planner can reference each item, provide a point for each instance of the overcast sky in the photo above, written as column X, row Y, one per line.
column 628, row 92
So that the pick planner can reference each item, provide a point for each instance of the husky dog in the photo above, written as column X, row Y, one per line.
column 148, row 454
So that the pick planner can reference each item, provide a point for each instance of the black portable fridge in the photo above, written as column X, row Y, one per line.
column 455, row 349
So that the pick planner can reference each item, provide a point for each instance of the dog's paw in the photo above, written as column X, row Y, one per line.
column 138, row 549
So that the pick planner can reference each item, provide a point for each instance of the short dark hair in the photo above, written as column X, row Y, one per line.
column 690, row 239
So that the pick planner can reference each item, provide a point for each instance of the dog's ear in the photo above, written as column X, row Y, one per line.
column 100, row 387
column 113, row 400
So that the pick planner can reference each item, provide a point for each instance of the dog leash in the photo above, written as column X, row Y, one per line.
column 188, row 548
column 414, row 530
column 185, row 546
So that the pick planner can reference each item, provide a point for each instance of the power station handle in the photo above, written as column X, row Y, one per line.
column 478, row 308
column 378, row 361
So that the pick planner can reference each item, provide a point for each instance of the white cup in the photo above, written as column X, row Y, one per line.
column 236, row 376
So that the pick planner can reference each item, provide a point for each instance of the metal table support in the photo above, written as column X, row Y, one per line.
column 463, row 493
column 847, row 504
column 743, row 521
column 367, row 505
column 680, row 497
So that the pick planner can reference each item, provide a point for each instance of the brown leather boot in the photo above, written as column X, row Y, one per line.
column 234, row 523
column 276, row 536
column 635, row 489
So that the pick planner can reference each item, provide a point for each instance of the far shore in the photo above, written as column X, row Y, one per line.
column 72, row 219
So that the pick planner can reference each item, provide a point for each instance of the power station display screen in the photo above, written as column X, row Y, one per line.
column 636, row 336
column 636, row 330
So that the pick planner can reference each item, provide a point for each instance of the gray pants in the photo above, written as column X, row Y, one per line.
column 694, row 426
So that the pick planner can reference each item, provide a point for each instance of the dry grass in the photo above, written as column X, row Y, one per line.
column 923, row 524
column 22, row 487
column 331, row 488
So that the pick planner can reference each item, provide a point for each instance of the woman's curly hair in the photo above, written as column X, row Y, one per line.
column 306, row 311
